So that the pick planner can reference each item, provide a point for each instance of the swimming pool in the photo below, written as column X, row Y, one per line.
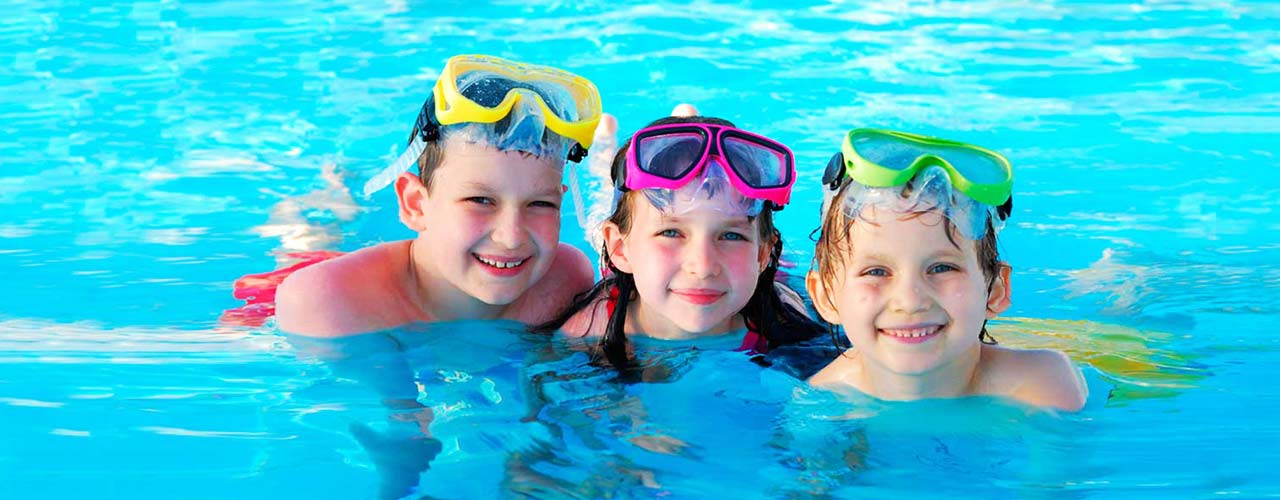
column 154, row 152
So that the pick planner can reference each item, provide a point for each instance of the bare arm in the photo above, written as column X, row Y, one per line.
column 1051, row 380
column 352, row 294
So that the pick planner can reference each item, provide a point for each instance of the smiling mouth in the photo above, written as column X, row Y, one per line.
column 699, row 297
column 912, row 333
column 500, row 264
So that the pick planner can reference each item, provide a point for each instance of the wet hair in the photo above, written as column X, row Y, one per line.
column 836, row 231
column 430, row 159
column 433, row 152
column 778, row 322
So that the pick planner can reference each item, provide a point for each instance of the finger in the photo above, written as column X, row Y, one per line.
column 684, row 110
column 607, row 129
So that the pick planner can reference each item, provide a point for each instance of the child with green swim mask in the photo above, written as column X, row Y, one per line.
column 490, row 147
column 907, row 265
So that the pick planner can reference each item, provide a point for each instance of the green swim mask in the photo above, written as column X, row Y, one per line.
column 887, row 158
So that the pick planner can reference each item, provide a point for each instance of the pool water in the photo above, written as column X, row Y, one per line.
column 155, row 152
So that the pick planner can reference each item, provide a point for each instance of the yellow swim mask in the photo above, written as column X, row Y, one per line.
column 475, row 89
column 484, row 89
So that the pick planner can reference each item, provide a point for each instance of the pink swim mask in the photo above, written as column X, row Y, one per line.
column 669, row 156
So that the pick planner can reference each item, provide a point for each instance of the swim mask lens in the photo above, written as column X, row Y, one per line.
column 669, row 156
column 971, row 185
column 474, row 91
column 886, row 158
column 483, row 89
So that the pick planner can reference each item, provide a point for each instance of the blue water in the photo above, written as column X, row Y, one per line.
column 154, row 152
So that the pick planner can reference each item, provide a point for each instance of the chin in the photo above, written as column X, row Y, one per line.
column 911, row 366
column 497, row 297
column 705, row 327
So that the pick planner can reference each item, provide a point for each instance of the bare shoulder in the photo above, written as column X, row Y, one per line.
column 590, row 321
column 1039, row 377
column 570, row 274
column 571, row 267
column 342, row 296
column 792, row 298
column 838, row 373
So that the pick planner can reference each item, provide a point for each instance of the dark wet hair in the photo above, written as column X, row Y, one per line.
column 778, row 322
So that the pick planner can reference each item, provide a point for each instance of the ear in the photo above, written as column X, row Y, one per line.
column 821, row 298
column 1001, row 294
column 766, row 250
column 411, row 195
column 614, row 244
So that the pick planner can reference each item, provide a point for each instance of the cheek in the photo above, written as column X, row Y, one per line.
column 743, row 264
column 963, row 294
column 861, row 294
column 546, row 227
column 654, row 252
column 460, row 224
column 542, row 226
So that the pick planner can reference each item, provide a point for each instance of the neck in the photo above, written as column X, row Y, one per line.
column 641, row 322
column 435, row 299
column 953, row 379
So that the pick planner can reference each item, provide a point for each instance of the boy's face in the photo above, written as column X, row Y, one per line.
column 693, row 271
column 491, row 221
column 909, row 300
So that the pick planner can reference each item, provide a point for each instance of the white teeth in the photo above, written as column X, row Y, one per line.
column 913, row 332
column 499, row 264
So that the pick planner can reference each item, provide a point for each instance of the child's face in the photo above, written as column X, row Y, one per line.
column 909, row 300
column 491, row 221
column 693, row 271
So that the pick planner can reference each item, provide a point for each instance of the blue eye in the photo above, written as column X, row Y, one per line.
column 545, row 204
column 731, row 236
column 942, row 268
column 877, row 272
column 482, row 200
column 669, row 233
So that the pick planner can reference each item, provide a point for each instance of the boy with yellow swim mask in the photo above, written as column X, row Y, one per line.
column 490, row 147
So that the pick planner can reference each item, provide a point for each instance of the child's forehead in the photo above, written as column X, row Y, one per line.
column 928, row 229
column 462, row 151
column 690, row 211
column 468, row 162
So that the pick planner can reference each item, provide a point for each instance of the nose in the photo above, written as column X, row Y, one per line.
column 509, row 229
column 911, row 294
column 700, row 258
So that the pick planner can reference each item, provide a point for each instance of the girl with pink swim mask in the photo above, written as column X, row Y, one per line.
column 690, row 249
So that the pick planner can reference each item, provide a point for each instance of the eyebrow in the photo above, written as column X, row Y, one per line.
column 553, row 191
column 887, row 257
column 743, row 222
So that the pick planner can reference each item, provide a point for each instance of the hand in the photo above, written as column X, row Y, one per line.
column 399, row 459
column 684, row 109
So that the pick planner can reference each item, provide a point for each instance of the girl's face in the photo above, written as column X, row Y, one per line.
column 909, row 300
column 694, row 269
